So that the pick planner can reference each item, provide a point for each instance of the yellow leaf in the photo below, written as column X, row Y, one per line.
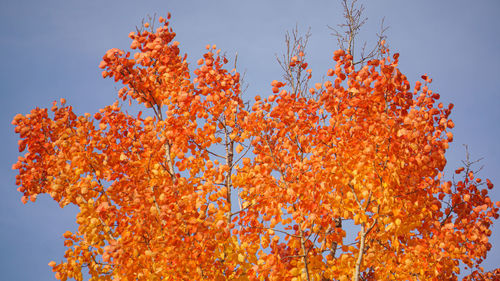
column 239, row 148
column 241, row 258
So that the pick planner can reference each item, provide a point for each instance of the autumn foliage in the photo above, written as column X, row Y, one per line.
column 341, row 182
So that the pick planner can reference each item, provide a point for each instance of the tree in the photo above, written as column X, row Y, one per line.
column 210, row 187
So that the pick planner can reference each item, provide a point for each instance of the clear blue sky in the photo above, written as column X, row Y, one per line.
column 51, row 49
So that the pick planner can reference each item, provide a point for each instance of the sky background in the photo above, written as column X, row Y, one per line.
column 52, row 49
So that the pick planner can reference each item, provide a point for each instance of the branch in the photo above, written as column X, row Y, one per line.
column 360, row 254
column 303, row 246
column 276, row 230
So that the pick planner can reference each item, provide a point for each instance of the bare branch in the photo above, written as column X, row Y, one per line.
column 292, row 61
column 346, row 33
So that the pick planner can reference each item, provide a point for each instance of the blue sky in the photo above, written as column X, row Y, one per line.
column 51, row 49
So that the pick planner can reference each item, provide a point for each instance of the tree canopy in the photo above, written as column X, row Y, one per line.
column 339, row 181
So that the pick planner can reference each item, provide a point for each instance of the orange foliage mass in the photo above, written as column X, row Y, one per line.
column 209, row 188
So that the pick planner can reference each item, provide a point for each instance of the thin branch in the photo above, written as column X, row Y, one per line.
column 346, row 33
column 292, row 60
